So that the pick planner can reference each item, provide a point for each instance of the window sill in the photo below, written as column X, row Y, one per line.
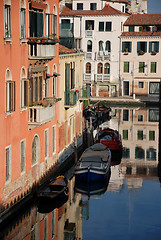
column 8, row 114
column 23, row 41
column 8, row 40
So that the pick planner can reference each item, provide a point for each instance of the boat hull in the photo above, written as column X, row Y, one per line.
column 89, row 175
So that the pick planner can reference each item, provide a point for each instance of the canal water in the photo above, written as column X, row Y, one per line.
column 127, row 206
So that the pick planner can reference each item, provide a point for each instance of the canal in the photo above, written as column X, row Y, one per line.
column 127, row 206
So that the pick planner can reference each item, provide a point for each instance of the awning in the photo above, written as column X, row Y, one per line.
column 38, row 5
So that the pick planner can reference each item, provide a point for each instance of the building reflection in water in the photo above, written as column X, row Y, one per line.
column 139, row 130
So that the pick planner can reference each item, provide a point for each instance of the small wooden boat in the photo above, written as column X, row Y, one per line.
column 94, row 164
column 110, row 138
column 54, row 190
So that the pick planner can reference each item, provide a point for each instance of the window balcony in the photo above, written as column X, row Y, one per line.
column 89, row 34
column 88, row 55
column 41, row 112
column 103, row 55
column 41, row 48
column 87, row 77
column 102, row 77
column 70, row 98
column 85, row 93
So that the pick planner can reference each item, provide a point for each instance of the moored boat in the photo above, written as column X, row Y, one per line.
column 94, row 164
column 54, row 190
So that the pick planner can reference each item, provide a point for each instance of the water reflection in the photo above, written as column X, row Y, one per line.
column 127, row 206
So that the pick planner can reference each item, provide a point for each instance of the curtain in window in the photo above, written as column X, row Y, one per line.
column 153, row 67
column 126, row 67
column 141, row 67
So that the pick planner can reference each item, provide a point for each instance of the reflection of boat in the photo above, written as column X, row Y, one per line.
column 94, row 164
column 92, row 188
column 49, row 205
column 110, row 138
column 54, row 190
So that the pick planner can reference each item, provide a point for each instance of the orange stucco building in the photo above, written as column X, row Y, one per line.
column 29, row 60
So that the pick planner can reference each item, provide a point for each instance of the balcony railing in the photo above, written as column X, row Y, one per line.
column 101, row 77
column 41, row 48
column 88, row 55
column 70, row 98
column 89, row 34
column 85, row 92
column 87, row 77
column 103, row 55
column 38, row 115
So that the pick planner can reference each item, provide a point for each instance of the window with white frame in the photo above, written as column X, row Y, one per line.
column 23, row 155
column 125, row 115
column 10, row 92
column 108, row 46
column 46, row 143
column 35, row 150
column 54, row 31
column 7, row 163
column 88, row 67
column 140, row 118
column 36, row 87
column 100, row 68
column 7, row 20
column 107, row 68
column 23, row 22
column 89, row 46
column 54, row 139
column 141, row 84
column 153, row 68
column 24, row 90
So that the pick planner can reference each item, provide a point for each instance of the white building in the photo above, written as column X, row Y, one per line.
column 140, row 61
column 94, row 27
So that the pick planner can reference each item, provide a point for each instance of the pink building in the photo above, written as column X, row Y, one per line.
column 29, row 51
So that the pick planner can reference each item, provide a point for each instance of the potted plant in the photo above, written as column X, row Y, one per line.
column 141, row 52
column 153, row 53
column 126, row 51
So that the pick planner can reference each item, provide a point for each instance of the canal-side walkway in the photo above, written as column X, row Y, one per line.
column 128, row 100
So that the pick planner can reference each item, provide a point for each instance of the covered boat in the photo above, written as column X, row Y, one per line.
column 94, row 164
column 110, row 138
column 54, row 190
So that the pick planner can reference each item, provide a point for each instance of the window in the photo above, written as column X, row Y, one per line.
column 140, row 118
column 140, row 135
column 131, row 29
column 100, row 45
column 23, row 155
column 54, row 139
column 151, row 135
column 88, row 67
column 10, row 96
column 154, row 88
column 35, row 88
column 151, row 154
column 125, row 134
column 100, row 68
column 141, row 67
column 126, row 153
column 141, row 84
column 72, row 68
column 89, row 46
column 125, row 115
column 141, row 47
column 54, row 86
column 101, row 26
column 153, row 67
column 46, row 143
column 107, row 68
column 46, row 228
column 153, row 115
column 54, row 21
column 8, row 163
column 46, row 87
column 35, row 150
column 139, row 153
column 108, row 46
column 93, row 6
column 89, row 25
column 79, row 6
column 65, row 23
column 108, row 27
column 35, row 22
column 7, row 21
column 126, row 67
column 126, row 47
column 153, row 47
column 53, row 224
column 24, row 92
column 23, row 23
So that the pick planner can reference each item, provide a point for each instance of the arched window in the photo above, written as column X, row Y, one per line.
column 47, row 20
column 54, row 80
column 100, row 68
column 35, row 150
column 10, row 91
column 107, row 68
column 108, row 46
column 100, row 45
column 24, row 88
column 23, row 19
column 7, row 18
column 55, row 19
column 88, row 67
column 89, row 46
